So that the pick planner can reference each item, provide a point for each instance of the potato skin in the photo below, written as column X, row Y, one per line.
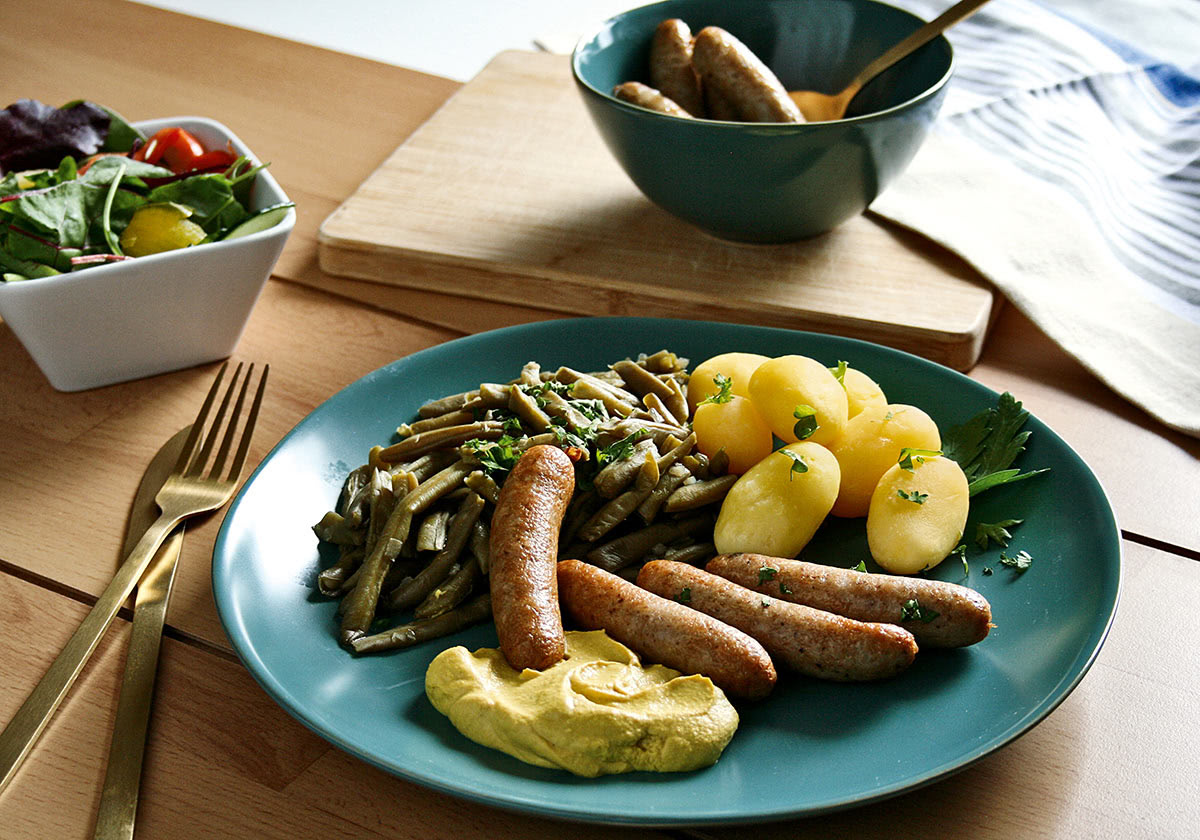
column 524, row 551
column 871, row 443
column 906, row 535
column 737, row 367
column 736, row 427
column 861, row 391
column 780, row 384
column 774, row 510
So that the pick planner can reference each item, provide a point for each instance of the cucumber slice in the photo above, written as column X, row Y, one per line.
column 266, row 218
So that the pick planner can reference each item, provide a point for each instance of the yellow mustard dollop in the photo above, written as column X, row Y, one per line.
column 599, row 711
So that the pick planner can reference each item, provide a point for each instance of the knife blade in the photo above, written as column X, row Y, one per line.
column 118, row 801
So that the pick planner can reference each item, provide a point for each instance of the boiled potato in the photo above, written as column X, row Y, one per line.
column 736, row 427
column 871, row 443
column 738, row 367
column 861, row 391
column 779, row 503
column 917, row 517
column 779, row 385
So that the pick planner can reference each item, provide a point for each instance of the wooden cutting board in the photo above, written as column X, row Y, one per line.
column 508, row 195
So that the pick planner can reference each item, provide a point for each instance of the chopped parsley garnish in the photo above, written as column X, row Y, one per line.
column 496, row 456
column 987, row 444
column 861, row 567
column 997, row 532
column 685, row 595
column 798, row 465
column 913, row 611
column 767, row 573
column 784, row 589
column 839, row 372
column 591, row 409
column 961, row 551
column 888, row 416
column 806, row 421
column 619, row 450
column 987, row 571
column 914, row 496
column 724, row 392
column 909, row 457
column 765, row 603
column 1020, row 563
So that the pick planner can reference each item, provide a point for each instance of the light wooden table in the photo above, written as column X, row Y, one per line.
column 1116, row 759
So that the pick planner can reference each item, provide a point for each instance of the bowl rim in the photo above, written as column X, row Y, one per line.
column 776, row 127
column 284, row 227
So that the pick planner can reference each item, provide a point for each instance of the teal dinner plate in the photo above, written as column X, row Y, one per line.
column 812, row 746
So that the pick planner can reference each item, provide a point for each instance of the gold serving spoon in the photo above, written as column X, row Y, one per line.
column 821, row 107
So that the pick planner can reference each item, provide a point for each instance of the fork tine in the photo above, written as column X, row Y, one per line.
column 235, row 468
column 227, row 441
column 196, row 465
column 189, row 446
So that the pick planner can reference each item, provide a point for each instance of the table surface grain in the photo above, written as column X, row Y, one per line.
column 222, row 759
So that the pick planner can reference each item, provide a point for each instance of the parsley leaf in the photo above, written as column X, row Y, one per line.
column 784, row 589
column 806, row 421
column 496, row 456
column 914, row 496
column 961, row 551
column 1021, row 562
column 621, row 449
column 798, row 465
column 685, row 595
column 767, row 573
column 839, row 372
column 861, row 567
column 913, row 611
column 996, row 532
column 987, row 444
column 910, row 457
column 724, row 392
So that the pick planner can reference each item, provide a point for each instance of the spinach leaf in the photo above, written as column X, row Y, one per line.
column 209, row 196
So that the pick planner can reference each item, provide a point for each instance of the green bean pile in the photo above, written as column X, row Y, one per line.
column 411, row 524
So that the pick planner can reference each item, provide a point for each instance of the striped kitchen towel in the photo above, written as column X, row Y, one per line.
column 1065, row 166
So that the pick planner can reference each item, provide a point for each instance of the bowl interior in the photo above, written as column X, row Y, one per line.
column 809, row 44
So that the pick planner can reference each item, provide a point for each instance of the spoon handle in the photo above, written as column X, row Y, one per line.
column 920, row 38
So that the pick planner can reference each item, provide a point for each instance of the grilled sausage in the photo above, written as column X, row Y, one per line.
column 645, row 96
column 663, row 631
column 963, row 615
column 524, row 549
column 738, row 76
column 671, row 68
column 812, row 642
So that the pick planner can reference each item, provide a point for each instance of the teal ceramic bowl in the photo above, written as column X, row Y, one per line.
column 769, row 182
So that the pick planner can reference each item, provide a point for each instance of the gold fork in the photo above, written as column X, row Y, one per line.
column 187, row 492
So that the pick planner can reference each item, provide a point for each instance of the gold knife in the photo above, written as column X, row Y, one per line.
column 119, row 798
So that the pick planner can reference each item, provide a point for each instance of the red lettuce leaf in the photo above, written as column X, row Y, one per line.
column 38, row 136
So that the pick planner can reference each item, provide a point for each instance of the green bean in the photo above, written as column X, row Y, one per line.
column 436, row 486
column 617, row 510
column 691, row 496
column 531, row 374
column 642, row 382
column 438, row 438
column 558, row 407
column 431, row 535
column 480, row 545
column 657, row 408
column 407, row 635
column 718, row 464
column 664, row 361
column 694, row 553
column 412, row 592
column 484, row 485
column 451, row 593
column 632, row 547
column 330, row 580
column 450, row 418
column 667, row 485
column 454, row 402
column 585, row 503
column 427, row 464
column 351, row 500
column 334, row 528
column 586, row 386
column 616, row 476
column 525, row 407
column 491, row 395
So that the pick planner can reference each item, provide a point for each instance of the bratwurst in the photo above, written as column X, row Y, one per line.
column 664, row 631
column 524, row 549
column 812, row 642
column 964, row 617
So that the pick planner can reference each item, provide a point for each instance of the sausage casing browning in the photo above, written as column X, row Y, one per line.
column 524, row 550
column 671, row 68
column 737, row 76
column 813, row 642
column 666, row 632
column 964, row 616
column 645, row 96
